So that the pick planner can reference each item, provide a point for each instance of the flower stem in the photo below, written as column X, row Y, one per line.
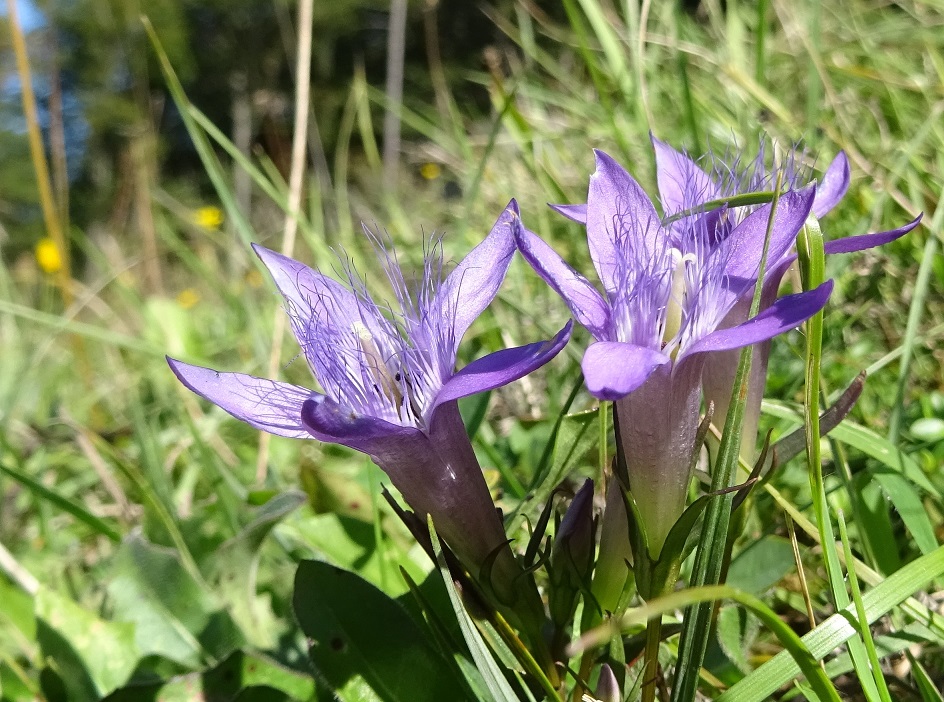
column 545, row 672
column 651, row 673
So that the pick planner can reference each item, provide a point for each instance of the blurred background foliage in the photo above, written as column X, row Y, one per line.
column 100, row 90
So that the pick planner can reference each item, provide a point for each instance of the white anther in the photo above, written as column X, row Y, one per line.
column 678, row 296
column 379, row 373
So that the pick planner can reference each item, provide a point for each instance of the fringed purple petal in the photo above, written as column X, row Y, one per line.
column 577, row 213
column 850, row 244
column 785, row 314
column 308, row 293
column 502, row 367
column 613, row 369
column 264, row 404
column 741, row 252
column 587, row 305
column 682, row 184
column 473, row 284
column 616, row 204
column 833, row 187
column 326, row 420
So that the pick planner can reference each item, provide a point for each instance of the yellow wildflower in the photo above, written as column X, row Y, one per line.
column 254, row 278
column 187, row 298
column 48, row 256
column 430, row 171
column 208, row 217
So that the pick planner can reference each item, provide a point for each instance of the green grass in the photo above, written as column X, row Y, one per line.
column 98, row 440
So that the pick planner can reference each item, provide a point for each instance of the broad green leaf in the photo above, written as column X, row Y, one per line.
column 731, row 636
column 429, row 601
column 92, row 657
column 243, row 676
column 873, row 519
column 908, row 503
column 14, row 687
column 233, row 572
column 929, row 429
column 172, row 614
column 17, row 618
column 261, row 693
column 357, row 633
column 242, row 671
column 761, row 565
column 349, row 543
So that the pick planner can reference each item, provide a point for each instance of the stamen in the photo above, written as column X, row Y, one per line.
column 678, row 298
column 384, row 382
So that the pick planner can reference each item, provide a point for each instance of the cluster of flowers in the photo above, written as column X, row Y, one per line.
column 673, row 310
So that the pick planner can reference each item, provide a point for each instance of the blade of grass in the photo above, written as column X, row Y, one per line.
column 495, row 681
column 38, row 154
column 276, row 190
column 64, row 324
column 912, row 511
column 860, row 621
column 796, row 648
column 812, row 262
column 911, row 607
column 926, row 686
column 295, row 182
column 814, row 89
column 691, row 118
column 614, row 52
column 830, row 634
column 208, row 158
column 869, row 443
column 64, row 503
column 760, row 47
column 915, row 312
column 709, row 557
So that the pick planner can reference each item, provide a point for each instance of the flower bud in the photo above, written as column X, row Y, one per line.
column 572, row 557
column 608, row 688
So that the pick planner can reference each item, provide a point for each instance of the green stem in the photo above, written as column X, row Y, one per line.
column 544, row 672
column 651, row 674
column 709, row 558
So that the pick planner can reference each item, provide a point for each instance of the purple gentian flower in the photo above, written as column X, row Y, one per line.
column 667, row 293
column 684, row 185
column 389, row 386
